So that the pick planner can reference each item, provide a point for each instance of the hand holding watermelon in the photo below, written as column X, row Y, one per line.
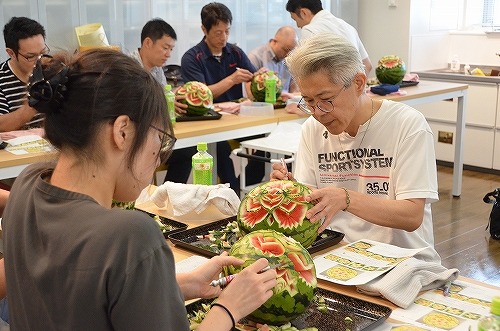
column 198, row 98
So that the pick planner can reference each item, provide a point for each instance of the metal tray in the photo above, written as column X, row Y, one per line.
column 211, row 115
column 177, row 226
column 364, row 315
column 188, row 238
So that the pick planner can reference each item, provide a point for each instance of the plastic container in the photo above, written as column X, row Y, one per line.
column 203, row 164
column 455, row 64
column 170, row 96
column 257, row 109
column 491, row 323
column 467, row 69
column 270, row 88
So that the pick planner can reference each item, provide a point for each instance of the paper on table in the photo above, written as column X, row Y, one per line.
column 28, row 144
column 189, row 264
column 360, row 261
column 465, row 305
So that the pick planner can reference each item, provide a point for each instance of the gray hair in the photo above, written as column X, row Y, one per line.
column 328, row 53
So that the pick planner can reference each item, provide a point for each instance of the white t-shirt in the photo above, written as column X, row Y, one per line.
column 324, row 21
column 396, row 161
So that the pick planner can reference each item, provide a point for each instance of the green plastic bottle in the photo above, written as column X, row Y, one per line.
column 270, row 88
column 170, row 96
column 491, row 323
column 203, row 164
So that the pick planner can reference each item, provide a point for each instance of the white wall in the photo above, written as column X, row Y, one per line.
column 411, row 32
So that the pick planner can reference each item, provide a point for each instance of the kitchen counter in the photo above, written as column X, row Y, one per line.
column 448, row 75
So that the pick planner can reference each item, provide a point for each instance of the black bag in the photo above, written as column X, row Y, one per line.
column 494, row 222
column 173, row 73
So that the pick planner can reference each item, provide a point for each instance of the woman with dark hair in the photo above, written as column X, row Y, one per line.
column 72, row 262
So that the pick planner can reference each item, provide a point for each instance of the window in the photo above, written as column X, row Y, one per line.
column 483, row 15
column 491, row 13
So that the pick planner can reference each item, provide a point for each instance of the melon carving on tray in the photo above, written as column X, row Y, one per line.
column 279, row 205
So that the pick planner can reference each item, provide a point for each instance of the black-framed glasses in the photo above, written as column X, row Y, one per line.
column 34, row 57
column 167, row 143
column 325, row 106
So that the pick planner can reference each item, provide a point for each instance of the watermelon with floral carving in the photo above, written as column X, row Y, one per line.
column 258, row 86
column 199, row 98
column 296, row 277
column 390, row 70
column 278, row 205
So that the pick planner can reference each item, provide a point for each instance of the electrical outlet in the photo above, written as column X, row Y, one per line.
column 445, row 137
column 392, row 3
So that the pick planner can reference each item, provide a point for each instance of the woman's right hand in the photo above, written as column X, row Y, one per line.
column 249, row 290
column 280, row 173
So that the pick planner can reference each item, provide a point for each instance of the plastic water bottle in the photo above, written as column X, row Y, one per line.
column 170, row 96
column 270, row 88
column 202, row 166
column 491, row 323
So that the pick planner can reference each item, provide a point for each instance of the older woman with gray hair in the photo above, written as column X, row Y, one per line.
column 371, row 163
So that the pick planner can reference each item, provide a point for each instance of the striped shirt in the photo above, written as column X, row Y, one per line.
column 13, row 93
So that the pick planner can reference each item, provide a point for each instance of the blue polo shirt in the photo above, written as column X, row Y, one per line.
column 199, row 64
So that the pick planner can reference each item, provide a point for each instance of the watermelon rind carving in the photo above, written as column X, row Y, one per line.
column 390, row 70
column 278, row 205
column 296, row 278
column 199, row 98
column 258, row 86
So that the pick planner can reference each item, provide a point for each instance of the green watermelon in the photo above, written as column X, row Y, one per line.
column 296, row 279
column 199, row 98
column 258, row 86
column 278, row 205
column 390, row 70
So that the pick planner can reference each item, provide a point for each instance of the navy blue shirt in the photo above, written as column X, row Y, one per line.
column 199, row 64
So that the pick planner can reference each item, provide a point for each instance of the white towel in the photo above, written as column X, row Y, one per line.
column 402, row 284
column 185, row 198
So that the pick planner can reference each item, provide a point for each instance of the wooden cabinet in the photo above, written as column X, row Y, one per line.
column 482, row 130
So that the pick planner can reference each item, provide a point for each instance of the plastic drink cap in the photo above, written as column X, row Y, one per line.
column 495, row 306
column 168, row 87
column 204, row 147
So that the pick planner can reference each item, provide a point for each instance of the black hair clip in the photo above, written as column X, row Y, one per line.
column 49, row 92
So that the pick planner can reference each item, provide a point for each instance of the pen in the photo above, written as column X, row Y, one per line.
column 446, row 289
column 227, row 279
column 283, row 163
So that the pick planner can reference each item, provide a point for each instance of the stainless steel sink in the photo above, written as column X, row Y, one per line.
column 448, row 74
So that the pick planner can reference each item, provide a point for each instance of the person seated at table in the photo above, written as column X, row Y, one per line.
column 223, row 67
column 74, row 263
column 371, row 163
column 271, row 55
column 24, row 42
column 157, row 42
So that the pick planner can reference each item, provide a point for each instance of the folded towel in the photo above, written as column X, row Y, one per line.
column 411, row 78
column 185, row 198
column 229, row 107
column 384, row 89
column 402, row 284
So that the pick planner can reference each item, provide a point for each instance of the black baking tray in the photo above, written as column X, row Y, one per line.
column 177, row 226
column 406, row 83
column 211, row 115
column 344, row 313
column 188, row 238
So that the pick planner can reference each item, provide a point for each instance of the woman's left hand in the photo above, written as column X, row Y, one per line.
column 200, row 278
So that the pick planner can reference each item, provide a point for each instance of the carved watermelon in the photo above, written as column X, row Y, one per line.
column 296, row 279
column 199, row 98
column 258, row 86
column 390, row 70
column 278, row 205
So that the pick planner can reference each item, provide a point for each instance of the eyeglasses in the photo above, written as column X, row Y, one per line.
column 34, row 57
column 325, row 106
column 167, row 143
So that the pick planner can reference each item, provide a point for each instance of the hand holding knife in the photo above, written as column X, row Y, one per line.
column 283, row 163
column 226, row 280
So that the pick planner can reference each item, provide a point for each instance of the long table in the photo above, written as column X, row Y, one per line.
column 237, row 126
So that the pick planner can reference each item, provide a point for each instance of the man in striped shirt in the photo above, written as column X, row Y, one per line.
column 24, row 42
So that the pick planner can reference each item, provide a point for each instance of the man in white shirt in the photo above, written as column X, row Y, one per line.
column 313, row 19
